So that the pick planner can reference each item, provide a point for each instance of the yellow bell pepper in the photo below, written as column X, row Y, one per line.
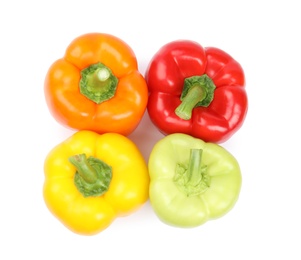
column 91, row 179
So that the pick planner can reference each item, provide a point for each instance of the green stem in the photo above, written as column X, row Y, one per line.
column 197, row 91
column 195, row 95
column 194, row 170
column 193, row 179
column 98, row 79
column 98, row 83
column 92, row 177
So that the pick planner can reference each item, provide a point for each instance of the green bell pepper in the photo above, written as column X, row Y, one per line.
column 192, row 181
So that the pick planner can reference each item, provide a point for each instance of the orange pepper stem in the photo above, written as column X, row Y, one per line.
column 92, row 177
column 197, row 91
column 98, row 83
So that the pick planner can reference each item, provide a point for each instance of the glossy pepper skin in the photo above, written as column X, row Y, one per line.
column 192, row 181
column 91, row 179
column 214, row 110
column 96, row 86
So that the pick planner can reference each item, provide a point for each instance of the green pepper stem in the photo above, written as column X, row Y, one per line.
column 193, row 178
column 194, row 170
column 197, row 91
column 92, row 177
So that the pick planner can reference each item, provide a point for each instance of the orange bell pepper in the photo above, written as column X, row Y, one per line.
column 97, row 86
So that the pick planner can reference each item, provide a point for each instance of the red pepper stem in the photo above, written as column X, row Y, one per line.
column 92, row 177
column 194, row 96
column 197, row 91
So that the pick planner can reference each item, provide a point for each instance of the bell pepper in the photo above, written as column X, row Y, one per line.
column 196, row 91
column 91, row 179
column 192, row 181
column 96, row 86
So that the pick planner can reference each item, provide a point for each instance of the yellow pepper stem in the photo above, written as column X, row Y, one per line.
column 92, row 176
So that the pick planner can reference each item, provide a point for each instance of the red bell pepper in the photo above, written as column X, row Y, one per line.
column 197, row 91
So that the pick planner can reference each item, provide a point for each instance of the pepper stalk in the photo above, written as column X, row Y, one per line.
column 197, row 91
column 192, row 179
column 92, row 177
column 98, row 83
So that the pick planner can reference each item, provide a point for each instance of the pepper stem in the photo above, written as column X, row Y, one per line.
column 184, row 110
column 98, row 83
column 197, row 91
column 192, row 179
column 194, row 167
column 92, row 177
column 102, row 74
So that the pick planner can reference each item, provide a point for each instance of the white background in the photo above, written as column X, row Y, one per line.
column 264, row 36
